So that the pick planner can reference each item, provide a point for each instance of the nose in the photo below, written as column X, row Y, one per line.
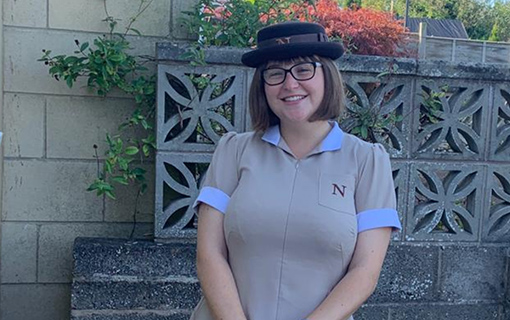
column 290, row 82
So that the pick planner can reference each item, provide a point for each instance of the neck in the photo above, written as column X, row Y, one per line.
column 303, row 138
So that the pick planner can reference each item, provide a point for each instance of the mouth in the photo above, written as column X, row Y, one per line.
column 293, row 98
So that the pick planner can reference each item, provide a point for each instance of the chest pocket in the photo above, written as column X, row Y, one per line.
column 336, row 191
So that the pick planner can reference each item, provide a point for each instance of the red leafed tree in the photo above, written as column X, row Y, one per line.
column 363, row 31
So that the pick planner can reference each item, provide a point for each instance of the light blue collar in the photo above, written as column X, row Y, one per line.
column 332, row 142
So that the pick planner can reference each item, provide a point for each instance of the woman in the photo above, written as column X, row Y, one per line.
column 294, row 218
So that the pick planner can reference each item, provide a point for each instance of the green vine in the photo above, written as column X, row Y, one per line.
column 107, row 64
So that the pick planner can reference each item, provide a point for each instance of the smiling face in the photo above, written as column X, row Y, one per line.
column 295, row 101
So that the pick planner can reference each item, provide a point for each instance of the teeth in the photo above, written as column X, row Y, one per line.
column 294, row 98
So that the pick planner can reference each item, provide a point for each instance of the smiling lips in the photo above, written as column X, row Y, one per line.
column 293, row 98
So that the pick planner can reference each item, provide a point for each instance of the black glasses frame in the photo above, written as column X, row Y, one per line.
column 315, row 65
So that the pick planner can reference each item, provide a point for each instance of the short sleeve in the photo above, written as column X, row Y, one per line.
column 222, row 175
column 375, row 193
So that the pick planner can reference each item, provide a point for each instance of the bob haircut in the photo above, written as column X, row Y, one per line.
column 332, row 104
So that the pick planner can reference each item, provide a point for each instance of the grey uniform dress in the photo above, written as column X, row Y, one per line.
column 291, row 225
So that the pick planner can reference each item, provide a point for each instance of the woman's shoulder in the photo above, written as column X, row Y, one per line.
column 237, row 141
column 361, row 147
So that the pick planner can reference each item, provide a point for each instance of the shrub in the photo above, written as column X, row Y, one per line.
column 363, row 31
column 236, row 22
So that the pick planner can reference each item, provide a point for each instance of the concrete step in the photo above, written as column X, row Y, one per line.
column 116, row 279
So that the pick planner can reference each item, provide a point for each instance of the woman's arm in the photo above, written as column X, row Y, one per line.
column 360, row 280
column 213, row 270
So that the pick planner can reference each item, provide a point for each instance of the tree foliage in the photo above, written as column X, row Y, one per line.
column 362, row 31
column 478, row 16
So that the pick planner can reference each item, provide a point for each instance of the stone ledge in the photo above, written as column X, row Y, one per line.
column 110, row 257
column 172, row 52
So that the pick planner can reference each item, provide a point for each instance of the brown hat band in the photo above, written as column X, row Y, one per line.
column 311, row 37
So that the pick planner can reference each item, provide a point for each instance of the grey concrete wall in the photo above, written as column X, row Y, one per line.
column 144, row 280
column 47, row 152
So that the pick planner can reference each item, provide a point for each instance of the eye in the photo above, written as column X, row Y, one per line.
column 274, row 73
column 304, row 69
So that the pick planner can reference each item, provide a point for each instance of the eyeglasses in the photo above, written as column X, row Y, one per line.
column 303, row 71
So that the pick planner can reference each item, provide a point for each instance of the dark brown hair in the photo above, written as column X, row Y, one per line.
column 332, row 104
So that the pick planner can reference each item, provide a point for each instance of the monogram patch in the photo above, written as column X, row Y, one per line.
column 341, row 191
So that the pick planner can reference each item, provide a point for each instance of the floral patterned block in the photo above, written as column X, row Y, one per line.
column 197, row 105
column 449, row 119
column 178, row 176
column 445, row 202
column 380, row 102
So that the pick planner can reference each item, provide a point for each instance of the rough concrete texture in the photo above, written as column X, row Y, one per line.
column 130, row 315
column 445, row 312
column 76, row 124
column 35, row 302
column 116, row 277
column 96, row 258
column 40, row 190
column 24, row 125
column 18, row 260
column 123, row 208
column 56, row 245
column 473, row 273
column 409, row 274
column 371, row 312
column 31, row 13
column 154, row 21
column 130, row 294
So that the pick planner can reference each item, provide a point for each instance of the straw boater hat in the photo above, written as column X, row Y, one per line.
column 289, row 40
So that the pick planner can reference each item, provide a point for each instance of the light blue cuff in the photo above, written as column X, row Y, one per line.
column 1, row 137
column 378, row 218
column 214, row 197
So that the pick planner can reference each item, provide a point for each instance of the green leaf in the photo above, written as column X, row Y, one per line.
column 69, row 82
column 143, row 188
column 116, row 58
column 145, row 149
column 121, row 180
column 110, row 194
column 138, row 33
column 364, row 131
column 84, row 46
column 139, row 171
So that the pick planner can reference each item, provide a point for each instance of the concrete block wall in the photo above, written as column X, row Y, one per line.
column 47, row 151
column 144, row 280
